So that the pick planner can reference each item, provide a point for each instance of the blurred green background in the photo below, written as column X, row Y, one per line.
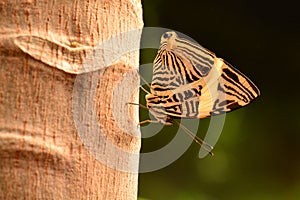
column 257, row 155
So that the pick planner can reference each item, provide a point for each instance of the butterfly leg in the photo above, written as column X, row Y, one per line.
column 148, row 121
column 138, row 104
column 145, row 121
column 155, row 121
column 167, row 122
column 143, row 79
column 144, row 90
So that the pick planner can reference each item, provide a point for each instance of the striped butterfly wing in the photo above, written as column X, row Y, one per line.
column 227, row 91
column 191, row 82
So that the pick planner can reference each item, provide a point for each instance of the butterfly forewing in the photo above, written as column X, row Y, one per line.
column 191, row 82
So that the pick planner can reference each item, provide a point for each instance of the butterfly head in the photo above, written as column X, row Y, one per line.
column 168, row 40
column 191, row 53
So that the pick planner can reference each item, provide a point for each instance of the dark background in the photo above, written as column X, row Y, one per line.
column 257, row 155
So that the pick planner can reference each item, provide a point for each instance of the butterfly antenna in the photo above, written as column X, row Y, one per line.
column 198, row 140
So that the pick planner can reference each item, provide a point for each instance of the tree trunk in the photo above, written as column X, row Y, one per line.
column 67, row 70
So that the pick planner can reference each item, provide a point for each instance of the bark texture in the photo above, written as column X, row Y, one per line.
column 65, row 129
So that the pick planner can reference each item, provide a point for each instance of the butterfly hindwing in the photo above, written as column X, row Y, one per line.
column 230, row 91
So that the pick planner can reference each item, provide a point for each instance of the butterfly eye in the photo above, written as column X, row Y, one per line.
column 204, row 70
column 167, row 35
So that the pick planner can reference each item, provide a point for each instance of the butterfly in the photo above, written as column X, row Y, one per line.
column 189, row 81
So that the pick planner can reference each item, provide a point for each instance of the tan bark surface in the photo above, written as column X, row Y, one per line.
column 43, row 153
